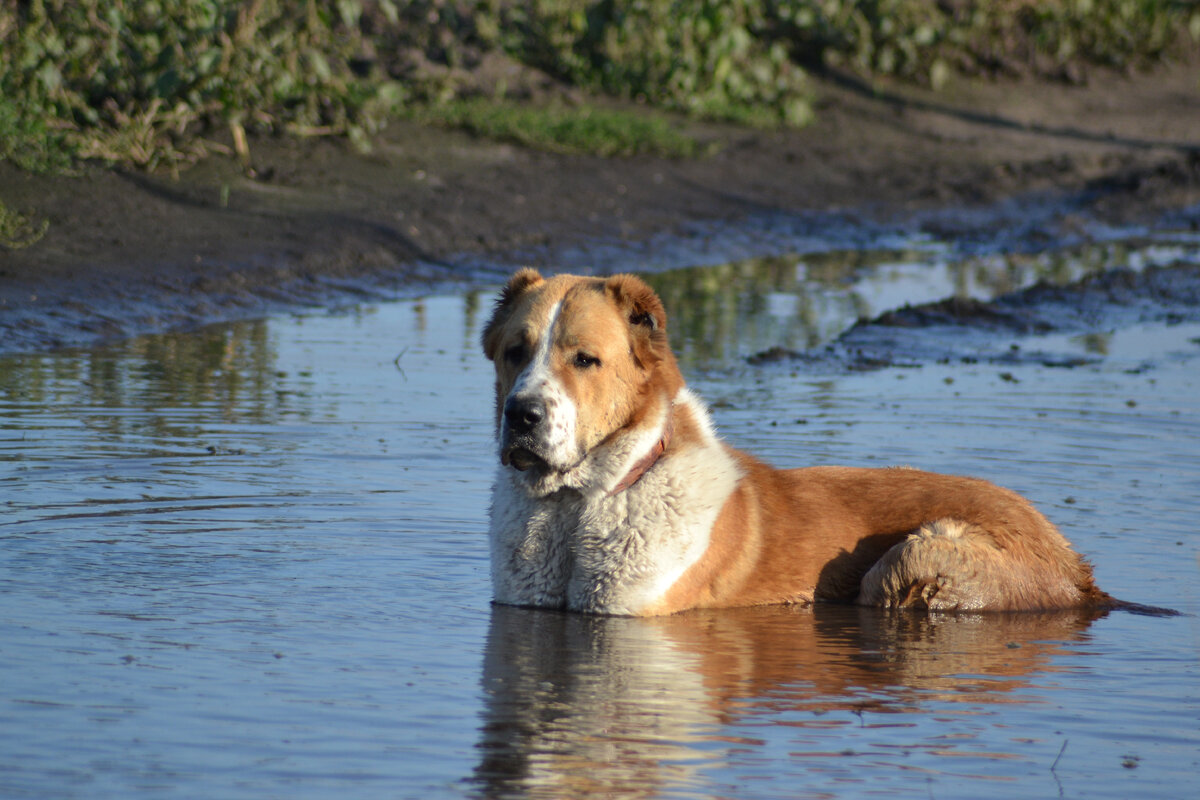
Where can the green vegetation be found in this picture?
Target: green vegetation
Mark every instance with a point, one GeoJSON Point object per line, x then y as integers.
{"type": "Point", "coordinates": [927, 41]}
{"type": "Point", "coordinates": [168, 81]}
{"type": "Point", "coordinates": [142, 82]}
{"type": "Point", "coordinates": [27, 141]}
{"type": "Point", "coordinates": [721, 59]}
{"type": "Point", "coordinates": [19, 230]}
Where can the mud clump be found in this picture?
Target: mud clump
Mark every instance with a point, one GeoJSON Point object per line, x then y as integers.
{"type": "Point", "coordinates": [961, 311]}
{"type": "Point", "coordinates": [1170, 294]}
{"type": "Point", "coordinates": [964, 329]}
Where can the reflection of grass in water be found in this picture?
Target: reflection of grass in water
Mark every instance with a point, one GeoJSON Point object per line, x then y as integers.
{"type": "Point", "coordinates": [799, 302]}
{"type": "Point", "coordinates": [230, 370]}
{"type": "Point", "coordinates": [713, 310]}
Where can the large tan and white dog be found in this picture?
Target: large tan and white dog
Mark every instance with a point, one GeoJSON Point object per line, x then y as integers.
{"type": "Point", "coordinates": [615, 495]}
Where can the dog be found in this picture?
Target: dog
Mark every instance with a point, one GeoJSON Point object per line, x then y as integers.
{"type": "Point", "coordinates": [615, 495]}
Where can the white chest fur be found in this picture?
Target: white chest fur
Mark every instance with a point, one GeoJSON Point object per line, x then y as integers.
{"type": "Point", "coordinates": [618, 554]}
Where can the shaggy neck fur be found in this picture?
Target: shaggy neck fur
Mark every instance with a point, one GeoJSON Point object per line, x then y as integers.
{"type": "Point", "coordinates": [590, 548]}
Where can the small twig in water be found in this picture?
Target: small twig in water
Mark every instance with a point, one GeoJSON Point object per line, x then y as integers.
{"type": "Point", "coordinates": [1061, 750]}
{"type": "Point", "coordinates": [396, 361]}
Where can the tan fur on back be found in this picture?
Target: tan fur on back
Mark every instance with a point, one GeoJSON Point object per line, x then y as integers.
{"type": "Point", "coordinates": [588, 392]}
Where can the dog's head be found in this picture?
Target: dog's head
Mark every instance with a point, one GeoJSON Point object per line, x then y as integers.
{"type": "Point", "coordinates": [580, 364]}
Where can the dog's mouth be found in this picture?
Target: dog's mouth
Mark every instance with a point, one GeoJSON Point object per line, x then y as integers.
{"type": "Point", "coordinates": [522, 459]}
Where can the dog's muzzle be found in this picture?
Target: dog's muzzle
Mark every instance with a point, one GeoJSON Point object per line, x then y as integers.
{"type": "Point", "coordinates": [523, 416]}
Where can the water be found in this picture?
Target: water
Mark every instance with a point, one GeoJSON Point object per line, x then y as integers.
{"type": "Point", "coordinates": [250, 561]}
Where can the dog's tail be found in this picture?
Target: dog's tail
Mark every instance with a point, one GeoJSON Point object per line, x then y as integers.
{"type": "Point", "coordinates": [1113, 604]}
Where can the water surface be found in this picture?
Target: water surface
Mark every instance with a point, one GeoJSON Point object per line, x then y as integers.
{"type": "Point", "coordinates": [250, 561]}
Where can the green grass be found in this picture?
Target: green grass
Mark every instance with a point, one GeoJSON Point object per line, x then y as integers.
{"type": "Point", "coordinates": [161, 84]}
{"type": "Point", "coordinates": [566, 129]}
{"type": "Point", "coordinates": [19, 230]}
{"type": "Point", "coordinates": [153, 84]}
{"type": "Point", "coordinates": [25, 140]}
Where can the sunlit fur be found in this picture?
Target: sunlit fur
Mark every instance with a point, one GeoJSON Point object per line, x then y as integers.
{"type": "Point", "coordinates": [706, 525]}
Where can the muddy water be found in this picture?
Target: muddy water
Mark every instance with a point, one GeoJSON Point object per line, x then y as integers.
{"type": "Point", "coordinates": [249, 562]}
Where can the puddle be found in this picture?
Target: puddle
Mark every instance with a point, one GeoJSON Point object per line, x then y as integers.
{"type": "Point", "coordinates": [249, 561]}
{"type": "Point", "coordinates": [773, 308]}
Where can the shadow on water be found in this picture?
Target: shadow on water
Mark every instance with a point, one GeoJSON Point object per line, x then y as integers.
{"type": "Point", "coordinates": [582, 706]}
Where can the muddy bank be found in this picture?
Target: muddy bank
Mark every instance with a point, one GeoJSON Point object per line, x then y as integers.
{"type": "Point", "coordinates": [318, 225]}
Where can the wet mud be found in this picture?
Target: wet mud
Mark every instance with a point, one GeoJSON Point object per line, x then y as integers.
{"type": "Point", "coordinates": [1032, 165]}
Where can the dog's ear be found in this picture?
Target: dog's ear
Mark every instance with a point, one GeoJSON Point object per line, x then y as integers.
{"type": "Point", "coordinates": [638, 301]}
{"type": "Point", "coordinates": [644, 311]}
{"type": "Point", "coordinates": [521, 282]}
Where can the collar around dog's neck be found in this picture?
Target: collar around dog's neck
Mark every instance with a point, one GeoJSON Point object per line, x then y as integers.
{"type": "Point", "coordinates": [643, 464]}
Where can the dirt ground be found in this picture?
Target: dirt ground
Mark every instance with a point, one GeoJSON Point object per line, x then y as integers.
{"type": "Point", "coordinates": [129, 252]}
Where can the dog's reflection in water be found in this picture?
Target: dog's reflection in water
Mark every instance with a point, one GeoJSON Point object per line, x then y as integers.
{"type": "Point", "coordinates": [579, 705]}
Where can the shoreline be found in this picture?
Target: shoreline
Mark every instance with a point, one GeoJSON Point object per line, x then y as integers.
{"type": "Point", "coordinates": [129, 253]}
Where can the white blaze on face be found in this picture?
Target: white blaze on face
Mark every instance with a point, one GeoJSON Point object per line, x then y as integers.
{"type": "Point", "coordinates": [554, 439]}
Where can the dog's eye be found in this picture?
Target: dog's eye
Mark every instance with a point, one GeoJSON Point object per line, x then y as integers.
{"type": "Point", "coordinates": [515, 354]}
{"type": "Point", "coordinates": [585, 361]}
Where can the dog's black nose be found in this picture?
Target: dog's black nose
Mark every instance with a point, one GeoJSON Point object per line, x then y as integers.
{"type": "Point", "coordinates": [524, 413]}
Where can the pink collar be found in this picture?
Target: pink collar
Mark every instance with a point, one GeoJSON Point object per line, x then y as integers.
{"type": "Point", "coordinates": [644, 463]}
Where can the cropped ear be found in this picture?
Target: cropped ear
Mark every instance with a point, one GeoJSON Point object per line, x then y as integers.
{"type": "Point", "coordinates": [521, 282]}
{"type": "Point", "coordinates": [645, 313]}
